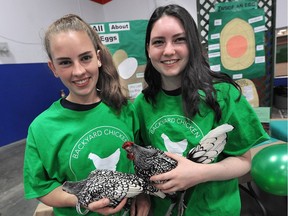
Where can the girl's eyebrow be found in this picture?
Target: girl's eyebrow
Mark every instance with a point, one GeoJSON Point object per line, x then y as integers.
{"type": "Point", "coordinates": [85, 53]}
{"type": "Point", "coordinates": [176, 35]}
{"type": "Point", "coordinates": [62, 58]}
{"type": "Point", "coordinates": [67, 58]}
{"type": "Point", "coordinates": [157, 37]}
{"type": "Point", "coordinates": [179, 34]}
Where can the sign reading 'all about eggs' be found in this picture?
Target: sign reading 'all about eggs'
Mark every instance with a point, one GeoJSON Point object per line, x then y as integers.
{"type": "Point", "coordinates": [126, 42]}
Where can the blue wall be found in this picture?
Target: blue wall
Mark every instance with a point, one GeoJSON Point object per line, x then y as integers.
{"type": "Point", "coordinates": [25, 91]}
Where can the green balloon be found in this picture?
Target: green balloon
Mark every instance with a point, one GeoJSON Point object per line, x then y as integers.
{"type": "Point", "coordinates": [269, 169]}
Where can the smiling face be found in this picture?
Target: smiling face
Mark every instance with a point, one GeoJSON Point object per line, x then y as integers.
{"type": "Point", "coordinates": [76, 62]}
{"type": "Point", "coordinates": [168, 50]}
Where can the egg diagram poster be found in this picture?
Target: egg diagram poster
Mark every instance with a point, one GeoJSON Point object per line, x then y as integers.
{"type": "Point", "coordinates": [126, 42]}
{"type": "Point", "coordinates": [236, 44]}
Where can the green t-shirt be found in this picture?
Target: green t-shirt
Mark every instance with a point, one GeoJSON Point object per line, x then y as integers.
{"type": "Point", "coordinates": [66, 145]}
{"type": "Point", "coordinates": [165, 127]}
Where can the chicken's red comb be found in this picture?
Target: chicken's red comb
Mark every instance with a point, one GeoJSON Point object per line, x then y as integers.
{"type": "Point", "coordinates": [127, 144]}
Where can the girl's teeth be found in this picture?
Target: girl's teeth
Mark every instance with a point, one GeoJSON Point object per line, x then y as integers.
{"type": "Point", "coordinates": [81, 81]}
{"type": "Point", "coordinates": [169, 62]}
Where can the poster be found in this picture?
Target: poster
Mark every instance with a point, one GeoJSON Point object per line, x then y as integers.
{"type": "Point", "coordinates": [236, 44]}
{"type": "Point", "coordinates": [126, 42]}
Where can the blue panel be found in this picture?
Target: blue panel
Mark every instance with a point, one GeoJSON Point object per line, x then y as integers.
{"type": "Point", "coordinates": [280, 81]}
{"type": "Point", "coordinates": [25, 91]}
{"type": "Point", "coordinates": [279, 129]}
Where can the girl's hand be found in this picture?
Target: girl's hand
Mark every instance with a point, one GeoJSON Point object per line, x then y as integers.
{"type": "Point", "coordinates": [184, 176]}
{"type": "Point", "coordinates": [188, 173]}
{"type": "Point", "coordinates": [100, 206]}
{"type": "Point", "coordinates": [140, 205]}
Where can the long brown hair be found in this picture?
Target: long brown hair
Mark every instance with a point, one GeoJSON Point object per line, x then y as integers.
{"type": "Point", "coordinates": [108, 81]}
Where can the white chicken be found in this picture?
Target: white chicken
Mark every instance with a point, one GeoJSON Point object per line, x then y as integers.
{"type": "Point", "coordinates": [174, 147]}
{"type": "Point", "coordinates": [108, 163]}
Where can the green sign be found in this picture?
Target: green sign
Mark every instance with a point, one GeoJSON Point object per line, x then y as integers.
{"type": "Point", "coordinates": [236, 43]}
{"type": "Point", "coordinates": [235, 6]}
{"type": "Point", "coordinates": [126, 42]}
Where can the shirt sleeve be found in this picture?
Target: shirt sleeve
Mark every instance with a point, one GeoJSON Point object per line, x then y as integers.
{"type": "Point", "coordinates": [248, 130]}
{"type": "Point", "coordinates": [36, 181]}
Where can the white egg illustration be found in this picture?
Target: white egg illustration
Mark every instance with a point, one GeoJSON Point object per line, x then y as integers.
{"type": "Point", "coordinates": [127, 67]}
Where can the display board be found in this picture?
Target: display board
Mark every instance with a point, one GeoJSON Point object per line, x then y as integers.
{"type": "Point", "coordinates": [263, 83]}
{"type": "Point", "coordinates": [236, 39]}
{"type": "Point", "coordinates": [126, 42]}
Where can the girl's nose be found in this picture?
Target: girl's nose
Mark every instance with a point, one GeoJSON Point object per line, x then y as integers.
{"type": "Point", "coordinates": [169, 49]}
{"type": "Point", "coordinates": [78, 69]}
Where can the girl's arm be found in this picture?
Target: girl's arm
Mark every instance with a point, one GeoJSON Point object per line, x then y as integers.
{"type": "Point", "coordinates": [60, 198]}
{"type": "Point", "coordinates": [180, 179]}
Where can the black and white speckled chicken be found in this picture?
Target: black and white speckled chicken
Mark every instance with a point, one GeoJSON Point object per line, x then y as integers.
{"type": "Point", "coordinates": [105, 184]}
{"type": "Point", "coordinates": [149, 161]}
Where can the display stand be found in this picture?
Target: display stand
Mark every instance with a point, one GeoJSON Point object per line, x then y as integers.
{"type": "Point", "coordinates": [264, 85]}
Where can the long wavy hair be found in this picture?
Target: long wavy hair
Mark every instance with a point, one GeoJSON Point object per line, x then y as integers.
{"type": "Point", "coordinates": [197, 74]}
{"type": "Point", "coordinates": [108, 81]}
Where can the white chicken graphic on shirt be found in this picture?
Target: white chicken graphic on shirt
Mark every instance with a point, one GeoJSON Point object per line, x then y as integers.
{"type": "Point", "coordinates": [174, 147]}
{"type": "Point", "coordinates": [108, 163]}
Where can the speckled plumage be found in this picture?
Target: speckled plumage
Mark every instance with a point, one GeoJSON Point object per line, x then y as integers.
{"type": "Point", "coordinates": [105, 184]}
{"type": "Point", "coordinates": [151, 161]}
